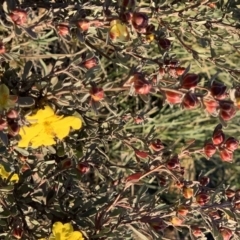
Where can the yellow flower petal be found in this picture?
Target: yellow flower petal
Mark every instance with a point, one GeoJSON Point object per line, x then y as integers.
{"type": "Point", "coordinates": [118, 31]}
{"type": "Point", "coordinates": [4, 174]}
{"type": "Point", "coordinates": [61, 128]}
{"type": "Point", "coordinates": [41, 114]}
{"type": "Point", "coordinates": [57, 228]}
{"type": "Point", "coordinates": [43, 139]}
{"type": "Point", "coordinates": [76, 235]}
{"type": "Point", "coordinates": [67, 229]}
{"type": "Point", "coordinates": [28, 133]}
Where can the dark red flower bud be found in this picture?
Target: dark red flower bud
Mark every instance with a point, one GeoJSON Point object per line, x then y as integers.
{"type": "Point", "coordinates": [227, 110]}
{"type": "Point", "coordinates": [90, 63]}
{"type": "Point", "coordinates": [231, 144]}
{"type": "Point", "coordinates": [134, 177]}
{"type": "Point", "coordinates": [202, 198]}
{"type": "Point", "coordinates": [173, 97]}
{"type": "Point", "coordinates": [196, 231]}
{"type": "Point", "coordinates": [173, 163]}
{"type": "Point", "coordinates": [164, 43]}
{"type": "Point", "coordinates": [83, 24]}
{"type": "Point", "coordinates": [226, 155]}
{"type": "Point", "coordinates": [97, 94]}
{"type": "Point", "coordinates": [211, 106]}
{"type": "Point", "coordinates": [142, 86]}
{"type": "Point", "coordinates": [204, 181]}
{"type": "Point", "coordinates": [66, 163]}
{"type": "Point", "coordinates": [218, 90]}
{"type": "Point", "coordinates": [63, 29]}
{"type": "Point", "coordinates": [230, 193]}
{"type": "Point", "coordinates": [83, 167]}
{"type": "Point", "coordinates": [226, 233]}
{"type": "Point", "coordinates": [17, 232]}
{"type": "Point", "coordinates": [12, 114]}
{"type": "Point", "coordinates": [182, 210]}
{"type": "Point", "coordinates": [141, 154]}
{"type": "Point", "coordinates": [190, 101]}
{"type": "Point", "coordinates": [13, 129]}
{"type": "Point", "coordinates": [218, 137]}
{"type": "Point", "coordinates": [190, 80]}
{"type": "Point", "coordinates": [2, 48]}
{"type": "Point", "coordinates": [156, 145]}
{"type": "Point", "coordinates": [18, 16]}
{"type": "Point", "coordinates": [180, 71]}
{"type": "Point", "coordinates": [209, 149]}
{"type": "Point", "coordinates": [140, 21]}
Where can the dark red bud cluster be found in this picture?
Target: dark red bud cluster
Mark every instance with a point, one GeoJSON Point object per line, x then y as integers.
{"type": "Point", "coordinates": [225, 147]}
{"type": "Point", "coordinates": [140, 22]}
{"type": "Point", "coordinates": [156, 145]}
{"type": "Point", "coordinates": [190, 101]}
{"type": "Point", "coordinates": [18, 16]}
{"type": "Point", "coordinates": [218, 90]}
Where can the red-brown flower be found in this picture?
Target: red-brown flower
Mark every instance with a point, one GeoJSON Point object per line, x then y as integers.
{"type": "Point", "coordinates": [226, 233]}
{"type": "Point", "coordinates": [227, 110]}
{"type": "Point", "coordinates": [218, 90]}
{"type": "Point", "coordinates": [140, 21]}
{"type": "Point", "coordinates": [190, 80]}
{"type": "Point", "coordinates": [63, 29]}
{"type": "Point", "coordinates": [83, 167]}
{"type": "Point", "coordinates": [173, 97]}
{"type": "Point", "coordinates": [202, 198]}
{"type": "Point", "coordinates": [2, 48]}
{"type": "Point", "coordinates": [156, 145]}
{"type": "Point", "coordinates": [83, 24]}
{"type": "Point", "coordinates": [204, 181]}
{"type": "Point", "coordinates": [190, 101]}
{"type": "Point", "coordinates": [226, 155]}
{"type": "Point", "coordinates": [18, 16]}
{"type": "Point", "coordinates": [231, 144]}
{"type": "Point", "coordinates": [141, 85]}
{"type": "Point", "coordinates": [164, 43]}
{"type": "Point", "coordinates": [90, 63]}
{"type": "Point", "coordinates": [211, 106]}
{"type": "Point", "coordinates": [209, 149]}
{"type": "Point", "coordinates": [97, 94]}
{"type": "Point", "coordinates": [141, 154]}
{"type": "Point", "coordinates": [218, 137]}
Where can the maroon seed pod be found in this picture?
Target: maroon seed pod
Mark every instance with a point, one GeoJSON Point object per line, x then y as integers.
{"type": "Point", "coordinates": [190, 80]}
{"type": "Point", "coordinates": [164, 43]}
{"type": "Point", "coordinates": [230, 193]}
{"type": "Point", "coordinates": [232, 144]}
{"type": "Point", "coordinates": [97, 94]}
{"type": "Point", "coordinates": [218, 137]}
{"type": "Point", "coordinates": [211, 106]}
{"type": "Point", "coordinates": [156, 145]}
{"type": "Point", "coordinates": [173, 97]}
{"type": "Point", "coordinates": [63, 30]}
{"type": "Point", "coordinates": [204, 181]}
{"type": "Point", "coordinates": [140, 21]}
{"type": "Point", "coordinates": [226, 233]}
{"type": "Point", "coordinates": [90, 63]}
{"type": "Point", "coordinates": [202, 198]}
{"type": "Point", "coordinates": [142, 86]}
{"type": "Point", "coordinates": [134, 177]}
{"type": "Point", "coordinates": [209, 149]}
{"type": "Point", "coordinates": [190, 101]}
{"type": "Point", "coordinates": [173, 163]}
{"type": "Point", "coordinates": [83, 167]}
{"type": "Point", "coordinates": [141, 154]}
{"type": "Point", "coordinates": [218, 90]}
{"type": "Point", "coordinates": [18, 16]}
{"type": "Point", "coordinates": [226, 155]}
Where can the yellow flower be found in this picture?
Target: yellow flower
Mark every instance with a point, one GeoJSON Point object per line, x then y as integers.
{"type": "Point", "coordinates": [45, 127]}
{"type": "Point", "coordinates": [118, 31]}
{"type": "Point", "coordinates": [4, 174]}
{"type": "Point", "coordinates": [6, 100]}
{"type": "Point", "coordinates": [65, 232]}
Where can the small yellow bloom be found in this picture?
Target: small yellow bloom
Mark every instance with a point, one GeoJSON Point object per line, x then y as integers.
{"type": "Point", "coordinates": [150, 37]}
{"type": "Point", "coordinates": [118, 31]}
{"type": "Point", "coordinates": [45, 127]}
{"type": "Point", "coordinates": [4, 174]}
{"type": "Point", "coordinates": [6, 100]}
{"type": "Point", "coordinates": [65, 232]}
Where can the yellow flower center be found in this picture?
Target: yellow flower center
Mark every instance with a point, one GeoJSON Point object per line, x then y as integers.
{"type": "Point", "coordinates": [48, 128]}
